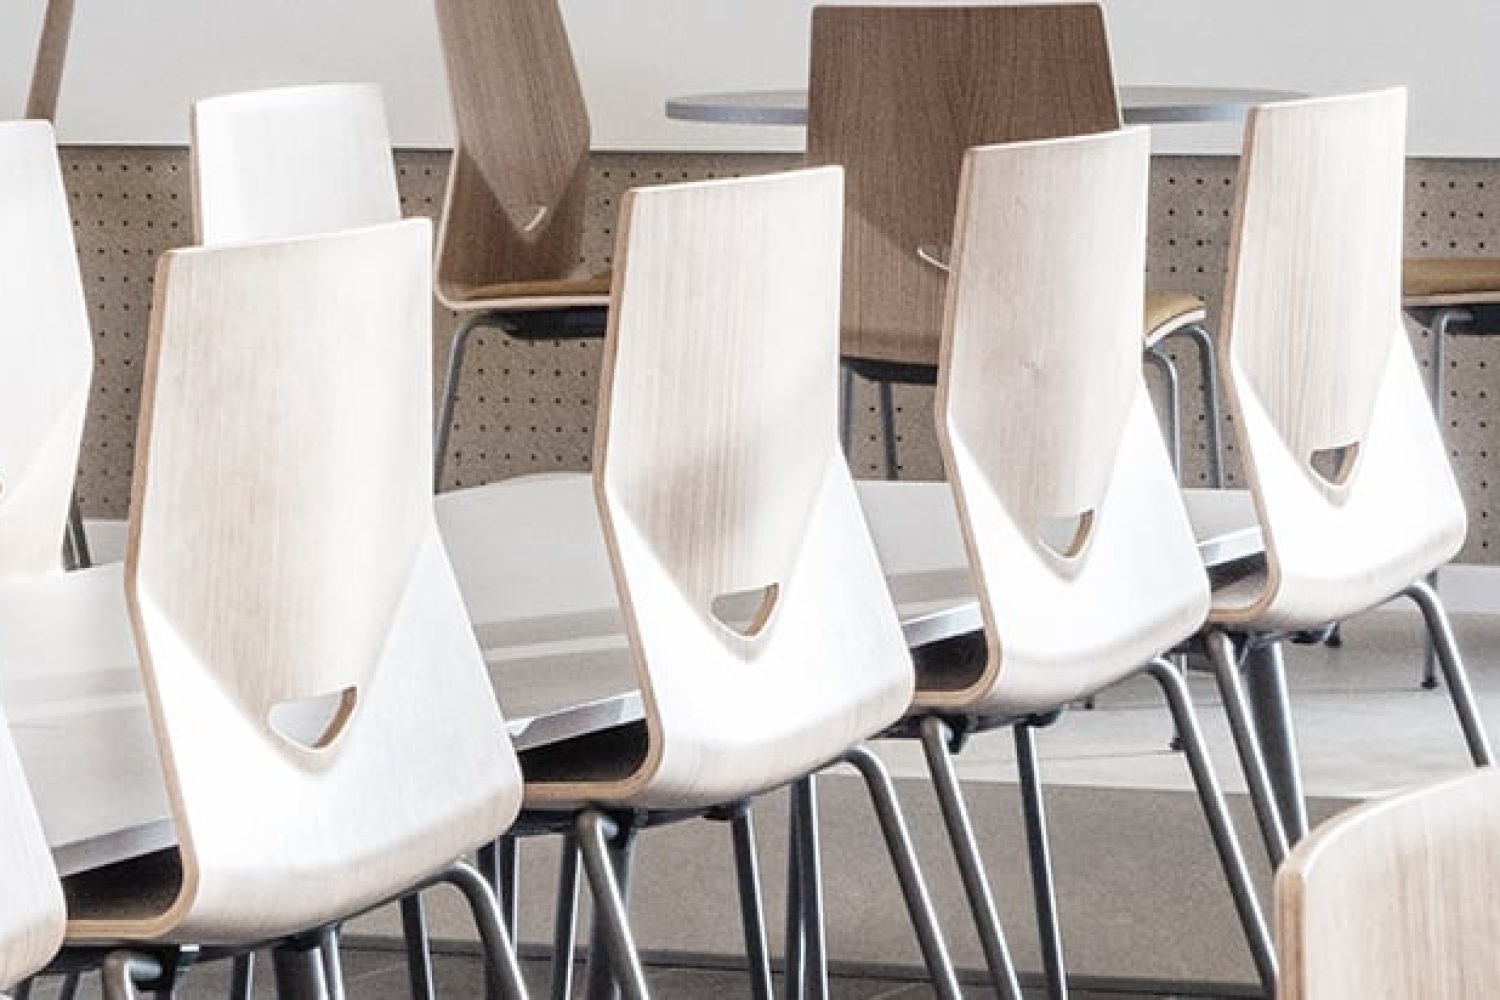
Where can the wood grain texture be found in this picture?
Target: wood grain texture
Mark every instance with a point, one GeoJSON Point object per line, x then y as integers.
{"type": "Point", "coordinates": [283, 546]}
{"type": "Point", "coordinates": [718, 472]}
{"type": "Point", "coordinates": [295, 161]}
{"type": "Point", "coordinates": [1449, 281]}
{"type": "Point", "coordinates": [514, 209]}
{"type": "Point", "coordinates": [896, 95]}
{"type": "Point", "coordinates": [51, 57]}
{"type": "Point", "coordinates": [1083, 557]}
{"type": "Point", "coordinates": [46, 352]}
{"type": "Point", "coordinates": [1318, 361]}
{"type": "Point", "coordinates": [1395, 899]}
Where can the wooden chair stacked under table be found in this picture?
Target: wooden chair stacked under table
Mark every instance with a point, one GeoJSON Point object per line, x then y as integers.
{"type": "Point", "coordinates": [326, 727]}
{"type": "Point", "coordinates": [508, 245]}
{"type": "Point", "coordinates": [895, 96]}
{"type": "Point", "coordinates": [1346, 466]}
{"type": "Point", "coordinates": [1395, 899]}
{"type": "Point", "coordinates": [1081, 552]}
{"type": "Point", "coordinates": [763, 638]}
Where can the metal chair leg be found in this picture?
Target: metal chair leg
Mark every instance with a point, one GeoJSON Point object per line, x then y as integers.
{"type": "Point", "coordinates": [1171, 430]}
{"type": "Point", "coordinates": [333, 966]}
{"type": "Point", "coordinates": [904, 860]}
{"type": "Point", "coordinates": [810, 890]}
{"type": "Point", "coordinates": [936, 737]}
{"type": "Point", "coordinates": [1265, 682]}
{"type": "Point", "coordinates": [449, 402]}
{"type": "Point", "coordinates": [602, 841]}
{"type": "Point", "coordinates": [122, 969]}
{"type": "Point", "coordinates": [1225, 659]}
{"type": "Point", "coordinates": [752, 910]}
{"type": "Point", "coordinates": [298, 964]}
{"type": "Point", "coordinates": [1440, 633]}
{"type": "Point", "coordinates": [22, 990]}
{"type": "Point", "coordinates": [888, 427]}
{"type": "Point", "coordinates": [1442, 321]}
{"type": "Point", "coordinates": [1212, 417]}
{"type": "Point", "coordinates": [69, 988]}
{"type": "Point", "coordinates": [79, 537]}
{"type": "Point", "coordinates": [418, 956]}
{"type": "Point", "coordinates": [504, 970]}
{"type": "Point", "coordinates": [795, 956]}
{"type": "Point", "coordinates": [1049, 930]}
{"type": "Point", "coordinates": [846, 410]}
{"type": "Point", "coordinates": [242, 977]}
{"type": "Point", "coordinates": [565, 920]}
{"type": "Point", "coordinates": [1220, 826]}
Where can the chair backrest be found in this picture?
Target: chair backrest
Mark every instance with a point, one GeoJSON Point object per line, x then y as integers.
{"type": "Point", "coordinates": [1352, 482]}
{"type": "Point", "coordinates": [327, 727]}
{"type": "Point", "coordinates": [896, 94]}
{"type": "Point", "coordinates": [1395, 899]}
{"type": "Point", "coordinates": [514, 208]}
{"type": "Point", "coordinates": [270, 164]}
{"type": "Point", "coordinates": [1083, 557]}
{"type": "Point", "coordinates": [46, 352]}
{"type": "Point", "coordinates": [765, 638]}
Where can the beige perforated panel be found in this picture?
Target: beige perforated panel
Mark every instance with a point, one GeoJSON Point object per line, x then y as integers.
{"type": "Point", "coordinates": [529, 407]}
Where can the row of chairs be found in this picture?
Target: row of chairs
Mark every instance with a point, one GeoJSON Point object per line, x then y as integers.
{"type": "Point", "coordinates": [231, 414]}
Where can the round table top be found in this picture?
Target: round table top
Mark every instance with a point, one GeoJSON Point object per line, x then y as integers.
{"type": "Point", "coordinates": [1140, 105]}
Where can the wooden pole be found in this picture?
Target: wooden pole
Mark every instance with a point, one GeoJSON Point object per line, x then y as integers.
{"type": "Point", "coordinates": [51, 53]}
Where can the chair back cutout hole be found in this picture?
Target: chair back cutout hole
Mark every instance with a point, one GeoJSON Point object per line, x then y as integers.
{"type": "Point", "coordinates": [1334, 465]}
{"type": "Point", "coordinates": [314, 722]}
{"type": "Point", "coordinates": [1066, 536]}
{"type": "Point", "coordinates": [746, 612]}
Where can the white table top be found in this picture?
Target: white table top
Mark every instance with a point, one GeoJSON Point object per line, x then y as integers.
{"type": "Point", "coordinates": [1139, 105]}
{"type": "Point", "coordinates": [72, 691]}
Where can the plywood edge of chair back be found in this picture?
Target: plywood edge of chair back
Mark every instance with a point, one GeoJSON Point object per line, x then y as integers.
{"type": "Point", "coordinates": [291, 161]}
{"type": "Point", "coordinates": [721, 485]}
{"type": "Point", "coordinates": [1063, 486]}
{"type": "Point", "coordinates": [46, 351]}
{"type": "Point", "coordinates": [334, 667]}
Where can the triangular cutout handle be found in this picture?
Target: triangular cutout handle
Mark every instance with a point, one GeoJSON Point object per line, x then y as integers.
{"type": "Point", "coordinates": [315, 722]}
{"type": "Point", "coordinates": [1334, 465]}
{"type": "Point", "coordinates": [746, 612]}
{"type": "Point", "coordinates": [1067, 536]}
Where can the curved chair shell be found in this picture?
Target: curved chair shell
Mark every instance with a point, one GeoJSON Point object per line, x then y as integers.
{"type": "Point", "coordinates": [1083, 556]}
{"type": "Point", "coordinates": [1354, 492]}
{"type": "Point", "coordinates": [46, 352]}
{"type": "Point", "coordinates": [719, 475]}
{"type": "Point", "coordinates": [327, 727]}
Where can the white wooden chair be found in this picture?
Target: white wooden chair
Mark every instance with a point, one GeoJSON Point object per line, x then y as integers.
{"type": "Point", "coordinates": [45, 361]}
{"type": "Point", "coordinates": [895, 96]}
{"type": "Point", "coordinates": [326, 726]}
{"type": "Point", "coordinates": [1349, 477]}
{"type": "Point", "coordinates": [1395, 899]}
{"type": "Point", "coordinates": [764, 641]}
{"type": "Point", "coordinates": [1082, 555]}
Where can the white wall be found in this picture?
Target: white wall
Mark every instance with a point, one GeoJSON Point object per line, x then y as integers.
{"type": "Point", "coordinates": [135, 64]}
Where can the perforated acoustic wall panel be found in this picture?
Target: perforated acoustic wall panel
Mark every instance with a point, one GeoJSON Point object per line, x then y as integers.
{"type": "Point", "coordinates": [529, 407]}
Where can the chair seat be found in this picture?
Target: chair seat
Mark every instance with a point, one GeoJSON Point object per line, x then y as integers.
{"type": "Point", "coordinates": [1449, 281]}
{"type": "Point", "coordinates": [531, 295]}
{"type": "Point", "coordinates": [1168, 312]}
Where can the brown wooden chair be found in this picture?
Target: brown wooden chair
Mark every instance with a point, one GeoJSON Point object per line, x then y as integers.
{"type": "Point", "coordinates": [1349, 477]}
{"type": "Point", "coordinates": [326, 725]}
{"type": "Point", "coordinates": [508, 244]}
{"type": "Point", "coordinates": [1080, 549]}
{"type": "Point", "coordinates": [896, 94]}
{"type": "Point", "coordinates": [1395, 899]}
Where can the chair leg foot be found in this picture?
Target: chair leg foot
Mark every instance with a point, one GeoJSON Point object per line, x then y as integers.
{"type": "Point", "coordinates": [1220, 826]}
{"type": "Point", "coordinates": [599, 837]}
{"type": "Point", "coordinates": [1445, 647]}
{"type": "Point", "coordinates": [904, 859]}
{"type": "Point", "coordinates": [936, 737]}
